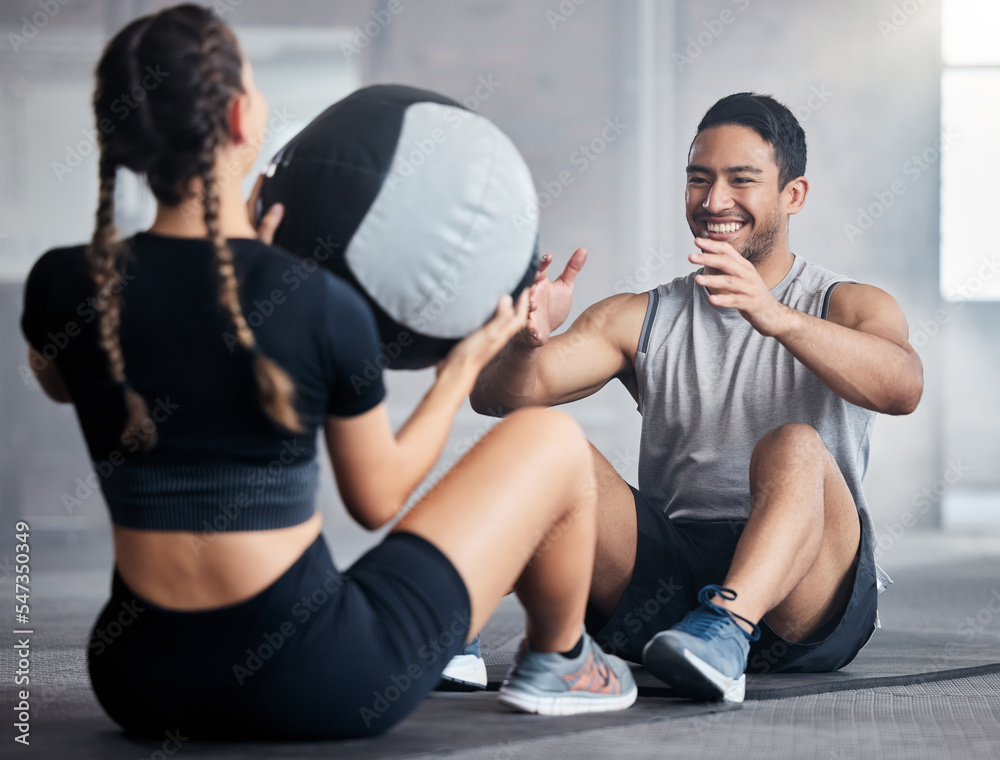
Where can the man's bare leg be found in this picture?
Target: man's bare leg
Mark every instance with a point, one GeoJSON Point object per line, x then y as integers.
{"type": "Point", "coordinates": [793, 564]}
{"type": "Point", "coordinates": [617, 537]}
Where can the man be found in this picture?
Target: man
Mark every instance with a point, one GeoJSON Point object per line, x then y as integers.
{"type": "Point", "coordinates": [749, 541]}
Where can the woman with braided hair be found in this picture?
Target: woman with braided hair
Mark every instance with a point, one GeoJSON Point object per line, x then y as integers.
{"type": "Point", "coordinates": [227, 616]}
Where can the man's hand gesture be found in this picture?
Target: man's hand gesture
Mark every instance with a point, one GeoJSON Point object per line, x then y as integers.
{"type": "Point", "coordinates": [551, 299]}
{"type": "Point", "coordinates": [738, 285]}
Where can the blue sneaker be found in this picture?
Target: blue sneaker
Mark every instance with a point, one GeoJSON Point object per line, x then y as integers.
{"type": "Point", "coordinates": [549, 684]}
{"type": "Point", "coordinates": [704, 655]}
{"type": "Point", "coordinates": [465, 671]}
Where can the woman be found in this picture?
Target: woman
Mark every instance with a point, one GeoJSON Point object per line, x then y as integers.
{"type": "Point", "coordinates": [227, 616]}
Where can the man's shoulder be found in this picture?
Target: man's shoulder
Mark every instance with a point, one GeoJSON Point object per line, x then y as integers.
{"type": "Point", "coordinates": [617, 312]}
{"type": "Point", "coordinates": [816, 276]}
{"type": "Point", "coordinates": [681, 286]}
{"type": "Point", "coordinates": [809, 287]}
{"type": "Point", "coordinates": [674, 295]}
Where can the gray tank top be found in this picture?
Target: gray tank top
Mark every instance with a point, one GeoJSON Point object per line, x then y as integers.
{"type": "Point", "coordinates": [710, 387]}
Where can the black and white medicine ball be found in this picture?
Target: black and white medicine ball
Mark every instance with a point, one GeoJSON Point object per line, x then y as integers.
{"type": "Point", "coordinates": [416, 201]}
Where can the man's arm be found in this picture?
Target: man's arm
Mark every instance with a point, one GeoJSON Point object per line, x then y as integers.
{"type": "Point", "coordinates": [598, 347]}
{"type": "Point", "coordinates": [536, 370]}
{"type": "Point", "coordinates": [861, 351]}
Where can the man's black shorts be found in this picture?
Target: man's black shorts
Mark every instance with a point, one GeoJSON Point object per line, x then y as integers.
{"type": "Point", "coordinates": [675, 559]}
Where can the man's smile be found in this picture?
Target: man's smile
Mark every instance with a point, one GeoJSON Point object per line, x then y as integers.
{"type": "Point", "coordinates": [720, 228]}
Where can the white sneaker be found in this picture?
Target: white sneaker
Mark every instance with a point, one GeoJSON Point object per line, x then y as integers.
{"type": "Point", "coordinates": [466, 671]}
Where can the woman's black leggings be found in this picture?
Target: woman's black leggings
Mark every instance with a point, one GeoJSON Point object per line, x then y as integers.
{"type": "Point", "coordinates": [316, 655]}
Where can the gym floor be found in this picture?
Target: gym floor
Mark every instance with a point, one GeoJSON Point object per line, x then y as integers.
{"type": "Point", "coordinates": [927, 686]}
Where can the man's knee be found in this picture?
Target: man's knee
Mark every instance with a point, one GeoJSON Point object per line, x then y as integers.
{"type": "Point", "coordinates": [790, 451]}
{"type": "Point", "coordinates": [794, 439]}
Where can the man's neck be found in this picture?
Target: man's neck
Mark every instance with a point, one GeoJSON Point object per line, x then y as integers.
{"type": "Point", "coordinates": [773, 269]}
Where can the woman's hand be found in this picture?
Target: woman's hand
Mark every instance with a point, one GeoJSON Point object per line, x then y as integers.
{"type": "Point", "coordinates": [473, 352]}
{"type": "Point", "coordinates": [376, 470]}
{"type": "Point", "coordinates": [268, 222]}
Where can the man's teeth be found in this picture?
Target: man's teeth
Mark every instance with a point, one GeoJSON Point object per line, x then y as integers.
{"type": "Point", "coordinates": [731, 227]}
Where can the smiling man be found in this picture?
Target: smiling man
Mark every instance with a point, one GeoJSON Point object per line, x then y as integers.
{"type": "Point", "coordinates": [748, 543]}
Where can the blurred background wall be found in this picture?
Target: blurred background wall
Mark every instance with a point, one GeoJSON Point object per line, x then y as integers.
{"type": "Point", "coordinates": [603, 99]}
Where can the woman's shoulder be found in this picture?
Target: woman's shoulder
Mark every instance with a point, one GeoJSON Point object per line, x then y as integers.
{"type": "Point", "coordinates": [62, 260]}
{"type": "Point", "coordinates": [306, 276]}
{"type": "Point", "coordinates": [58, 293]}
{"type": "Point", "coordinates": [57, 273]}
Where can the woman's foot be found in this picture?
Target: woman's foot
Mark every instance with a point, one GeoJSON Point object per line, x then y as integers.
{"type": "Point", "coordinates": [549, 683]}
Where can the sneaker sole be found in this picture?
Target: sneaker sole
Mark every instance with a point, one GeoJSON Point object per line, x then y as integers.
{"type": "Point", "coordinates": [690, 675]}
{"type": "Point", "coordinates": [465, 670]}
{"type": "Point", "coordinates": [570, 703]}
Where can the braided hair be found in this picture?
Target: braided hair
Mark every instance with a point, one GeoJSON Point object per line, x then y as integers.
{"type": "Point", "coordinates": [171, 136]}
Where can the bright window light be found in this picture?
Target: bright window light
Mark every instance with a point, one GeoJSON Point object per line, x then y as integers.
{"type": "Point", "coordinates": [969, 30]}
{"type": "Point", "coordinates": [970, 124]}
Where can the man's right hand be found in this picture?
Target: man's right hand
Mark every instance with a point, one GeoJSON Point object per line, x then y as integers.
{"type": "Point", "coordinates": [551, 299]}
{"type": "Point", "coordinates": [599, 346]}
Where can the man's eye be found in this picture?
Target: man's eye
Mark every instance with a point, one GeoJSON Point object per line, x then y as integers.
{"type": "Point", "coordinates": [742, 180]}
{"type": "Point", "coordinates": [696, 180]}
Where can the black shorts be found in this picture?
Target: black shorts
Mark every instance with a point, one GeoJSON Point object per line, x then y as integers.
{"type": "Point", "coordinates": [316, 655]}
{"type": "Point", "coordinates": [676, 559]}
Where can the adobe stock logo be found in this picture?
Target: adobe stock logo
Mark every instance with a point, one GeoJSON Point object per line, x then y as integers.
{"type": "Point", "coordinates": [901, 14]}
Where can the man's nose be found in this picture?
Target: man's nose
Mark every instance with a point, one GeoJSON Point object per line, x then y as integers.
{"type": "Point", "coordinates": [718, 198]}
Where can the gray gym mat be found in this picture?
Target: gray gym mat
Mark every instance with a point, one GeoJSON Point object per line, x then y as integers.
{"type": "Point", "coordinates": [891, 658]}
{"type": "Point", "coordinates": [955, 719]}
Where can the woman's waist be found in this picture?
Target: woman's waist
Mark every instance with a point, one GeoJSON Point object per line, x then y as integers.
{"type": "Point", "coordinates": [197, 570]}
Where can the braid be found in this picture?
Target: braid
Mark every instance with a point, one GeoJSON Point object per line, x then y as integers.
{"type": "Point", "coordinates": [276, 389]}
{"type": "Point", "coordinates": [103, 254]}
{"type": "Point", "coordinates": [173, 139]}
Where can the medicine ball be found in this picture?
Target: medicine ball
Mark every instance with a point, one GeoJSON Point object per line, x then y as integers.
{"type": "Point", "coordinates": [417, 202]}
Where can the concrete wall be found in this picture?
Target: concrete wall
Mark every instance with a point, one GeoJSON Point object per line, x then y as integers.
{"type": "Point", "coordinates": [555, 75]}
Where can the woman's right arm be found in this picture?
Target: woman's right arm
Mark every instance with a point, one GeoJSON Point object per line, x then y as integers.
{"type": "Point", "coordinates": [48, 377]}
{"type": "Point", "coordinates": [376, 469]}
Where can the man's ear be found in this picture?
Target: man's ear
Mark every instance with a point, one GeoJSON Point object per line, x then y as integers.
{"type": "Point", "coordinates": [795, 195]}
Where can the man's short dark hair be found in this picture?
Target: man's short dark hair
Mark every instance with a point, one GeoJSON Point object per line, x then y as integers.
{"type": "Point", "coordinates": [769, 119]}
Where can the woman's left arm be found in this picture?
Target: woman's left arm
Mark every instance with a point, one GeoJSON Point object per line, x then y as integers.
{"type": "Point", "coordinates": [377, 470]}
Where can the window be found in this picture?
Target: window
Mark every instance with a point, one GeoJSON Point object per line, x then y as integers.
{"type": "Point", "coordinates": [970, 156]}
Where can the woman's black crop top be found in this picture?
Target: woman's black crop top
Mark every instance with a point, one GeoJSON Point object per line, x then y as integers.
{"type": "Point", "coordinates": [219, 463]}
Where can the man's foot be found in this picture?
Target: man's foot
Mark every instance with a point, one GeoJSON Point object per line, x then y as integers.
{"type": "Point", "coordinates": [704, 655]}
{"type": "Point", "coordinates": [466, 671]}
{"type": "Point", "coordinates": [548, 683]}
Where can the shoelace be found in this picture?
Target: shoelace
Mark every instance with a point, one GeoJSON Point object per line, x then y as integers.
{"type": "Point", "coordinates": [706, 626]}
{"type": "Point", "coordinates": [601, 663]}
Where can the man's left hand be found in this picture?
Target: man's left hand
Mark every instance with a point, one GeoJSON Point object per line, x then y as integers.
{"type": "Point", "coordinates": [737, 285]}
